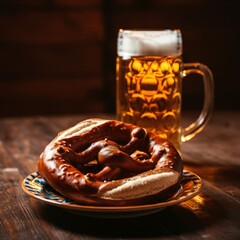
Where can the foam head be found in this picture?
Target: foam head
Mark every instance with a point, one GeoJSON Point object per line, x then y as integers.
{"type": "Point", "coordinates": [149, 43]}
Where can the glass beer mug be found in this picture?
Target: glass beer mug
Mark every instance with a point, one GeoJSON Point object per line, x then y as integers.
{"type": "Point", "coordinates": [149, 73]}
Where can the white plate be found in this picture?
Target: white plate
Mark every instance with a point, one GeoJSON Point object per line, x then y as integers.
{"type": "Point", "coordinates": [35, 186]}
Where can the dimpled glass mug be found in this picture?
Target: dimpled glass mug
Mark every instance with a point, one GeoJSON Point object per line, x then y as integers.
{"type": "Point", "coordinates": [149, 73]}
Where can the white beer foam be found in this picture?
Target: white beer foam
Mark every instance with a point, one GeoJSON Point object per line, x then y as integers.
{"type": "Point", "coordinates": [150, 43]}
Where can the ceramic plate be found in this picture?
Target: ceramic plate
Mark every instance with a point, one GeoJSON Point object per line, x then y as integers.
{"type": "Point", "coordinates": [35, 186]}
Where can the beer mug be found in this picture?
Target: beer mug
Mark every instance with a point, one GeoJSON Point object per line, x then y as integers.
{"type": "Point", "coordinates": [149, 74]}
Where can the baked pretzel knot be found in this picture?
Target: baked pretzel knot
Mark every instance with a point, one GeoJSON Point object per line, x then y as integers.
{"type": "Point", "coordinates": [107, 162]}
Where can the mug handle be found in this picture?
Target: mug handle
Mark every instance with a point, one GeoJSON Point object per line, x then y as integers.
{"type": "Point", "coordinates": [197, 126]}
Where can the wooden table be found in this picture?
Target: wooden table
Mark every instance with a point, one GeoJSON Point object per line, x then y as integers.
{"type": "Point", "coordinates": [214, 214]}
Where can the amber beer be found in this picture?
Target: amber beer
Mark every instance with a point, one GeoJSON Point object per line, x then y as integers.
{"type": "Point", "coordinates": [149, 72]}
{"type": "Point", "coordinates": [149, 94]}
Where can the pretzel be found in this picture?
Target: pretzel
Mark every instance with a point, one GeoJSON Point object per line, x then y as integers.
{"type": "Point", "coordinates": [108, 162]}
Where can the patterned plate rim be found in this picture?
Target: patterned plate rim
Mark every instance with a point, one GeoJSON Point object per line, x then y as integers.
{"type": "Point", "coordinates": [35, 186]}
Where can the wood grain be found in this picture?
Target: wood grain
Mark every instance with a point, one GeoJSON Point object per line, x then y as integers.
{"type": "Point", "coordinates": [60, 41]}
{"type": "Point", "coordinates": [213, 214]}
{"type": "Point", "coordinates": [51, 57]}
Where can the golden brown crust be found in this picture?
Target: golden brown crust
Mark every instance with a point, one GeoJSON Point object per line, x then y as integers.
{"type": "Point", "coordinates": [94, 162]}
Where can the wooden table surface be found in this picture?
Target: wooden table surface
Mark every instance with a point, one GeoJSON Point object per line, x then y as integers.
{"type": "Point", "coordinates": [214, 155]}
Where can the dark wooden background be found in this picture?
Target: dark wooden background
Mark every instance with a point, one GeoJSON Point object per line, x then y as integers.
{"type": "Point", "coordinates": [58, 56]}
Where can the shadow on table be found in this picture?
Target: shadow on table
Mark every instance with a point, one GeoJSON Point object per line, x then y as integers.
{"type": "Point", "coordinates": [172, 221]}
